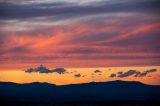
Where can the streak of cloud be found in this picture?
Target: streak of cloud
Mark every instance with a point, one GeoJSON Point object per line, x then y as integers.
{"type": "Point", "coordinates": [133, 73]}
{"type": "Point", "coordinates": [73, 33]}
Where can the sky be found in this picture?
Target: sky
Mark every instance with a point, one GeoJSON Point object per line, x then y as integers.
{"type": "Point", "coordinates": [79, 33]}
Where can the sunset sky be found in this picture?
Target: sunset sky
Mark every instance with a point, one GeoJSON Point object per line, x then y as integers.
{"type": "Point", "coordinates": [79, 33]}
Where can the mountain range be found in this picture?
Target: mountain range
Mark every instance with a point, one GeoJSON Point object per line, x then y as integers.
{"type": "Point", "coordinates": [113, 92]}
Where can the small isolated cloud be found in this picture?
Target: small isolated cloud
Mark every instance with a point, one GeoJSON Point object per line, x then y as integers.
{"type": "Point", "coordinates": [43, 69]}
{"type": "Point", "coordinates": [59, 70]}
{"type": "Point", "coordinates": [113, 75]}
{"type": "Point", "coordinates": [77, 75]}
{"type": "Point", "coordinates": [97, 71]}
{"type": "Point", "coordinates": [134, 73]}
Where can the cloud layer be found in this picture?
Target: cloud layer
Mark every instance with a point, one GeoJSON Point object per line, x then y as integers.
{"type": "Point", "coordinates": [73, 33]}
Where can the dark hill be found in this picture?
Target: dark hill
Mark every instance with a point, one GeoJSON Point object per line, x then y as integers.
{"type": "Point", "coordinates": [94, 92]}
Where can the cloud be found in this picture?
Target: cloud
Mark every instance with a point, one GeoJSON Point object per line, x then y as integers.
{"type": "Point", "coordinates": [134, 73]}
{"type": "Point", "coordinates": [61, 10]}
{"type": "Point", "coordinates": [151, 70]}
{"type": "Point", "coordinates": [43, 69]}
{"type": "Point", "coordinates": [29, 70]}
{"type": "Point", "coordinates": [59, 70]}
{"type": "Point", "coordinates": [120, 72]}
{"type": "Point", "coordinates": [77, 75]}
{"type": "Point", "coordinates": [145, 73]}
{"type": "Point", "coordinates": [127, 74]}
{"type": "Point", "coordinates": [113, 75]}
{"type": "Point", "coordinates": [40, 69]}
{"type": "Point", "coordinates": [79, 34]}
{"type": "Point", "coordinates": [97, 71]}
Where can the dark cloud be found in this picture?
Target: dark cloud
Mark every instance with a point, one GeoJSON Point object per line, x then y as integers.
{"type": "Point", "coordinates": [151, 70]}
{"type": "Point", "coordinates": [97, 71]}
{"type": "Point", "coordinates": [145, 72]}
{"type": "Point", "coordinates": [113, 75]}
{"type": "Point", "coordinates": [120, 72]}
{"type": "Point", "coordinates": [29, 70]}
{"type": "Point", "coordinates": [43, 69]}
{"type": "Point", "coordinates": [59, 70]}
{"type": "Point", "coordinates": [60, 10]}
{"type": "Point", "coordinates": [134, 73]}
{"type": "Point", "coordinates": [40, 69]}
{"type": "Point", "coordinates": [77, 75]}
{"type": "Point", "coordinates": [128, 73]}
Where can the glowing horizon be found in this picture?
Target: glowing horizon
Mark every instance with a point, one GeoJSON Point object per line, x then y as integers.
{"type": "Point", "coordinates": [86, 75]}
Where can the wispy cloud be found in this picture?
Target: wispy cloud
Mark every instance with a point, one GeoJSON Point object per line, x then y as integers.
{"type": "Point", "coordinates": [82, 33]}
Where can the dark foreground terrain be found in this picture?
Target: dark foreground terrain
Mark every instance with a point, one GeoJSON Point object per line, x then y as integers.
{"type": "Point", "coordinates": [117, 93]}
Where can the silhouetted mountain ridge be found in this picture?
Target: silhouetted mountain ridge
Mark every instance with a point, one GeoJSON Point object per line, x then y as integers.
{"type": "Point", "coordinates": [93, 91]}
{"type": "Point", "coordinates": [115, 82]}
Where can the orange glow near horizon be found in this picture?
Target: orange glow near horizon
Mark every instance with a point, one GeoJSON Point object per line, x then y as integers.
{"type": "Point", "coordinates": [87, 75]}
